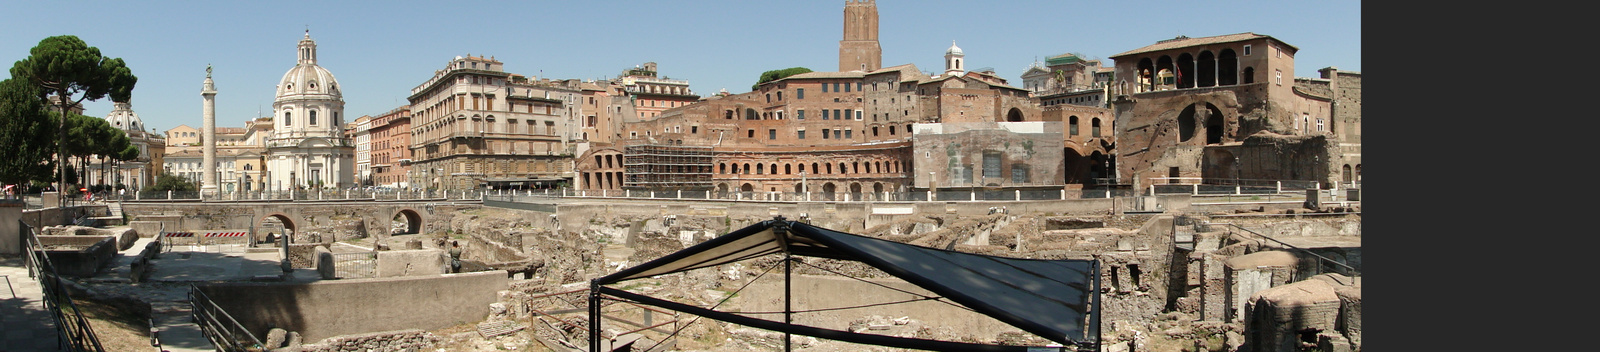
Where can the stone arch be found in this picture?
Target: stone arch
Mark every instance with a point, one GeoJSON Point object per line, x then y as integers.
{"type": "Point", "coordinates": [287, 221]}
{"type": "Point", "coordinates": [1015, 115]}
{"type": "Point", "coordinates": [1220, 164]}
{"type": "Point", "coordinates": [1227, 68]}
{"type": "Point", "coordinates": [1185, 70]}
{"type": "Point", "coordinates": [747, 188]}
{"type": "Point", "coordinates": [1215, 126]}
{"type": "Point", "coordinates": [1207, 65]}
{"type": "Point", "coordinates": [722, 188]}
{"type": "Point", "coordinates": [1146, 75]}
{"type": "Point", "coordinates": [1186, 123]}
{"type": "Point", "coordinates": [412, 218]}
{"type": "Point", "coordinates": [877, 187]}
{"type": "Point", "coordinates": [828, 190]}
{"type": "Point", "coordinates": [1249, 75]}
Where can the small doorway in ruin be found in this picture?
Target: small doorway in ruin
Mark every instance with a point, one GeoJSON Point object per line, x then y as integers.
{"type": "Point", "coordinates": [405, 222]}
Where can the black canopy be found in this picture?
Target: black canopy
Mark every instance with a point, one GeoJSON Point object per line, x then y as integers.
{"type": "Point", "coordinates": [1049, 298]}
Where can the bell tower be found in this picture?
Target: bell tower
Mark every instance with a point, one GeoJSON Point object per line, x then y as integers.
{"type": "Point", "coordinates": [859, 51]}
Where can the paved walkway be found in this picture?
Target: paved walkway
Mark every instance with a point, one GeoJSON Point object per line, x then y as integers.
{"type": "Point", "coordinates": [25, 325]}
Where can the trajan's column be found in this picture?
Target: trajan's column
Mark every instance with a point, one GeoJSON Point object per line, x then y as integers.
{"type": "Point", "coordinates": [208, 137]}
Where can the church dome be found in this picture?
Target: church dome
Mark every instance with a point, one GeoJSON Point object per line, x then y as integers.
{"type": "Point", "coordinates": [123, 118]}
{"type": "Point", "coordinates": [307, 78]}
{"type": "Point", "coordinates": [954, 50]}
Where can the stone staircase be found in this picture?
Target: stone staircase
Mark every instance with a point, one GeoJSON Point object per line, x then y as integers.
{"type": "Point", "coordinates": [113, 218]}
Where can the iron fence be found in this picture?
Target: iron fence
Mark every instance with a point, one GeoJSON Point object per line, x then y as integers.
{"type": "Point", "coordinates": [355, 265]}
{"type": "Point", "coordinates": [313, 195]}
{"type": "Point", "coordinates": [73, 331]}
{"type": "Point", "coordinates": [218, 326]}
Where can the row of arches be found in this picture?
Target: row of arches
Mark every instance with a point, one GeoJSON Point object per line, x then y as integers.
{"type": "Point", "coordinates": [602, 180]}
{"type": "Point", "coordinates": [1190, 71]}
{"type": "Point", "coordinates": [854, 167]}
{"type": "Point", "coordinates": [827, 190]}
{"type": "Point", "coordinates": [403, 222]}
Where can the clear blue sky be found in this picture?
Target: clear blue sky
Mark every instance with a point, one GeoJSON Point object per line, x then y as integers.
{"type": "Point", "coordinates": [380, 50]}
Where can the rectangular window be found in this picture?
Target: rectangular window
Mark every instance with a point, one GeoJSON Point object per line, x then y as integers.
{"type": "Point", "coordinates": [1019, 173]}
{"type": "Point", "coordinates": [858, 87]}
{"type": "Point", "coordinates": [772, 134]}
{"type": "Point", "coordinates": [1319, 124]}
{"type": "Point", "coordinates": [751, 133]}
{"type": "Point", "coordinates": [800, 114]}
{"type": "Point", "coordinates": [799, 93]}
{"type": "Point", "coordinates": [858, 115]}
{"type": "Point", "coordinates": [1279, 74]}
{"type": "Point", "coordinates": [847, 133]}
{"type": "Point", "coordinates": [1247, 50]}
{"type": "Point", "coordinates": [824, 134]}
{"type": "Point", "coordinates": [991, 164]}
{"type": "Point", "coordinates": [824, 114]}
{"type": "Point", "coordinates": [801, 134]}
{"type": "Point", "coordinates": [836, 134]}
{"type": "Point", "coordinates": [839, 116]}
{"type": "Point", "coordinates": [847, 87]}
{"type": "Point", "coordinates": [824, 87]}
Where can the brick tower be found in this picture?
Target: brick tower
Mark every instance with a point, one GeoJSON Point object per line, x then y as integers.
{"type": "Point", "coordinates": [859, 51]}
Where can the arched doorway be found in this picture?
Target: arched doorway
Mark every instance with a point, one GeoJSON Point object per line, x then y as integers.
{"type": "Point", "coordinates": [747, 188]}
{"type": "Point", "coordinates": [405, 222]}
{"type": "Point", "coordinates": [1349, 175]}
{"type": "Point", "coordinates": [1214, 124]}
{"type": "Point", "coordinates": [270, 227]}
{"type": "Point", "coordinates": [855, 191]}
{"type": "Point", "coordinates": [828, 190]}
{"type": "Point", "coordinates": [1015, 115]}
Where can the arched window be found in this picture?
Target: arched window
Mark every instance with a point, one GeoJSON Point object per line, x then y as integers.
{"type": "Point", "coordinates": [1072, 125]}
{"type": "Point", "coordinates": [1249, 75]}
{"type": "Point", "coordinates": [287, 116]}
{"type": "Point", "coordinates": [722, 168]}
{"type": "Point", "coordinates": [1094, 127]}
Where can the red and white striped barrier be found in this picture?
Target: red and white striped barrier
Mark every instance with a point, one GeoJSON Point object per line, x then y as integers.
{"type": "Point", "coordinates": [180, 234]}
{"type": "Point", "coordinates": [225, 234]}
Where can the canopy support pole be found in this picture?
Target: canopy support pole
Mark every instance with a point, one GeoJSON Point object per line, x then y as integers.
{"type": "Point", "coordinates": [594, 316]}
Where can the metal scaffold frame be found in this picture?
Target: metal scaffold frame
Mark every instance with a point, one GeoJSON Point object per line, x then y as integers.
{"type": "Point", "coordinates": [658, 166]}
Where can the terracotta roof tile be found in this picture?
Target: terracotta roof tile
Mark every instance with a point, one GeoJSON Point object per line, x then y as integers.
{"type": "Point", "coordinates": [1188, 42]}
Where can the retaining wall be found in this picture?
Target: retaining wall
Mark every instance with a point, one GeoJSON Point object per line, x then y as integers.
{"type": "Point", "coordinates": [323, 309]}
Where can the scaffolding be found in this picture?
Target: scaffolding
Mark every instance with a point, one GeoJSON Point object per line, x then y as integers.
{"type": "Point", "coordinates": [667, 167]}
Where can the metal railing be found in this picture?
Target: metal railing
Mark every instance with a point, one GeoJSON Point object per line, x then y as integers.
{"type": "Point", "coordinates": [915, 196]}
{"type": "Point", "coordinates": [218, 326]}
{"type": "Point", "coordinates": [355, 265]}
{"type": "Point", "coordinates": [313, 195]}
{"type": "Point", "coordinates": [73, 331]}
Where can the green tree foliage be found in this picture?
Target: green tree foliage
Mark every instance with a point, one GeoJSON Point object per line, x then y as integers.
{"type": "Point", "coordinates": [28, 133]}
{"type": "Point", "coordinates": [170, 182]}
{"type": "Point", "coordinates": [774, 75]}
{"type": "Point", "coordinates": [73, 71]}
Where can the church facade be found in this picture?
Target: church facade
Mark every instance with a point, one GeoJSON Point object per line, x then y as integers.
{"type": "Point", "coordinates": [308, 148]}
